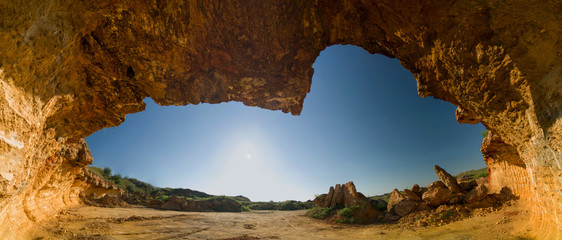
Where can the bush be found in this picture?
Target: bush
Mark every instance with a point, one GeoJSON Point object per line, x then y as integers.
{"type": "Point", "coordinates": [485, 133]}
{"type": "Point", "coordinates": [245, 209]}
{"type": "Point", "coordinates": [106, 172]}
{"type": "Point", "coordinates": [319, 212]}
{"type": "Point", "coordinates": [380, 205]}
{"type": "Point", "coordinates": [347, 214]}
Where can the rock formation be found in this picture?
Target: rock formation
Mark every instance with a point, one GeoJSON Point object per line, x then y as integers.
{"type": "Point", "coordinates": [343, 196]}
{"type": "Point", "coordinates": [447, 179]}
{"type": "Point", "coordinates": [340, 196]}
{"type": "Point", "coordinates": [395, 197]}
{"type": "Point", "coordinates": [70, 68]}
{"type": "Point", "coordinates": [437, 196]}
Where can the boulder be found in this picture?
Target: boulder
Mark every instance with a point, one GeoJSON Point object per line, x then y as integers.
{"type": "Point", "coordinates": [368, 214]}
{"type": "Point", "coordinates": [173, 203]}
{"type": "Point", "coordinates": [155, 203]}
{"type": "Point", "coordinates": [437, 196]}
{"type": "Point", "coordinates": [337, 199]}
{"type": "Point", "coordinates": [467, 186]}
{"type": "Point", "coordinates": [456, 198]}
{"type": "Point", "coordinates": [410, 195]}
{"type": "Point", "coordinates": [395, 197]}
{"type": "Point", "coordinates": [350, 195]}
{"type": "Point", "coordinates": [329, 197]}
{"type": "Point", "coordinates": [477, 194]}
{"type": "Point", "coordinates": [404, 207]}
{"type": "Point", "coordinates": [322, 199]}
{"type": "Point", "coordinates": [422, 206]}
{"type": "Point", "coordinates": [436, 184]}
{"type": "Point", "coordinates": [447, 179]}
{"type": "Point", "coordinates": [416, 190]}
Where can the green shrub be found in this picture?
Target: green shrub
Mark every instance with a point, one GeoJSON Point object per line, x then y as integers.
{"type": "Point", "coordinates": [319, 212]}
{"type": "Point", "coordinates": [106, 172]}
{"type": "Point", "coordinates": [484, 175]}
{"type": "Point", "coordinates": [485, 133]}
{"type": "Point", "coordinates": [347, 214]}
{"type": "Point", "coordinates": [379, 205]}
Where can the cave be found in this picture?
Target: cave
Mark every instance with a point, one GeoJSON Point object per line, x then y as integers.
{"type": "Point", "coordinates": [68, 69]}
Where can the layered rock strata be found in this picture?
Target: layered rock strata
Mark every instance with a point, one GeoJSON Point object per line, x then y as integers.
{"type": "Point", "coordinates": [70, 68]}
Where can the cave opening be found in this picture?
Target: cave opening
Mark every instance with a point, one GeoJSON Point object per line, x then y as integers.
{"type": "Point", "coordinates": [363, 121]}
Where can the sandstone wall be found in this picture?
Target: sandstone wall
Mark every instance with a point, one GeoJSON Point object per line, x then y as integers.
{"type": "Point", "coordinates": [69, 68]}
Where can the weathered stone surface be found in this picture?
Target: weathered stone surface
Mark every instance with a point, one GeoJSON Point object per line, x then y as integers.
{"type": "Point", "coordinates": [416, 190]}
{"type": "Point", "coordinates": [436, 184]}
{"type": "Point", "coordinates": [173, 203]}
{"type": "Point", "coordinates": [422, 206]}
{"type": "Point", "coordinates": [505, 167]}
{"type": "Point", "coordinates": [410, 195]}
{"type": "Point", "coordinates": [456, 198]}
{"type": "Point", "coordinates": [321, 200]}
{"type": "Point", "coordinates": [70, 68]}
{"type": "Point", "coordinates": [341, 196]}
{"type": "Point", "coordinates": [329, 197]}
{"type": "Point", "coordinates": [464, 116]}
{"type": "Point", "coordinates": [337, 198]}
{"type": "Point", "coordinates": [437, 196]}
{"type": "Point", "coordinates": [467, 186]}
{"type": "Point", "coordinates": [155, 203]}
{"type": "Point", "coordinates": [447, 179]}
{"type": "Point", "coordinates": [404, 207]}
{"type": "Point", "coordinates": [395, 197]}
{"type": "Point", "coordinates": [476, 194]}
{"type": "Point", "coordinates": [350, 195]}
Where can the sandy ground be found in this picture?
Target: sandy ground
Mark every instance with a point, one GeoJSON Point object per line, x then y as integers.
{"type": "Point", "coordinates": [145, 223]}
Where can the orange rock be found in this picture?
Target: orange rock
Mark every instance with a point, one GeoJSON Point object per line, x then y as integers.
{"type": "Point", "coordinates": [447, 179]}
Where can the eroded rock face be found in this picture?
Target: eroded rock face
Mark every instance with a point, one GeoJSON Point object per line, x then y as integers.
{"type": "Point", "coordinates": [68, 69]}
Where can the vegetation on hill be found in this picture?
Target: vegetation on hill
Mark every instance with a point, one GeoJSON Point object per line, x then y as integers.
{"type": "Point", "coordinates": [473, 174]}
{"type": "Point", "coordinates": [143, 192]}
{"type": "Point", "coordinates": [130, 185]}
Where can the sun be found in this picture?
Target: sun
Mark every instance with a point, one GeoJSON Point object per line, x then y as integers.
{"type": "Point", "coordinates": [248, 156]}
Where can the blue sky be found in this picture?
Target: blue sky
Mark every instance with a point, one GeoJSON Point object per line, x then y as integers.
{"type": "Point", "coordinates": [363, 121]}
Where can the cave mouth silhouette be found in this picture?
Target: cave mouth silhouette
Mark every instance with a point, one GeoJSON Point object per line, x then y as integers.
{"type": "Point", "coordinates": [363, 121]}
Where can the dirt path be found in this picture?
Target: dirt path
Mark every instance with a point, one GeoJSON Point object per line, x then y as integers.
{"type": "Point", "coordinates": [144, 223]}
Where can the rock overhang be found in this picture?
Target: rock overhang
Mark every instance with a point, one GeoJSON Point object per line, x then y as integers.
{"type": "Point", "coordinates": [72, 68]}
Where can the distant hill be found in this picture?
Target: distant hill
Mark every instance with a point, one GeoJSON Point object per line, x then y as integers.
{"type": "Point", "coordinates": [139, 192]}
{"type": "Point", "coordinates": [473, 174]}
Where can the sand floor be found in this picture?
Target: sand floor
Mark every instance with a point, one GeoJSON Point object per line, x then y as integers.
{"type": "Point", "coordinates": [145, 223]}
